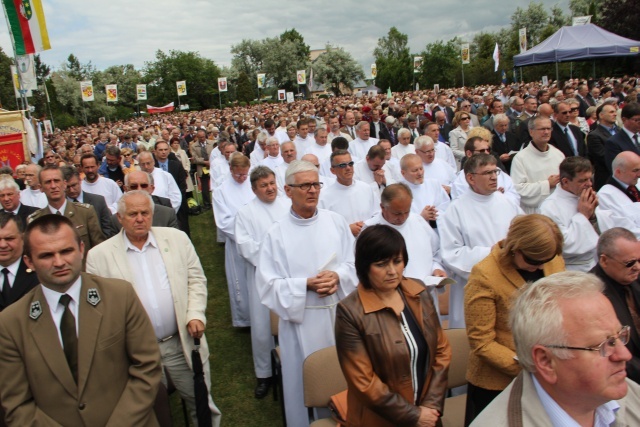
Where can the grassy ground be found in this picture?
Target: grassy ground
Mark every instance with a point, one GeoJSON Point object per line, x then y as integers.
{"type": "Point", "coordinates": [232, 376]}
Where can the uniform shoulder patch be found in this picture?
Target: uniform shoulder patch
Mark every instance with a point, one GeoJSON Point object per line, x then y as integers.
{"type": "Point", "coordinates": [35, 310]}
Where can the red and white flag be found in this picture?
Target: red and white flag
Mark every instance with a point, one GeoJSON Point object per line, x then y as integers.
{"type": "Point", "coordinates": [166, 109]}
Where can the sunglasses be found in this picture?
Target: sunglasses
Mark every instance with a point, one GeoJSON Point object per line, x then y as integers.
{"type": "Point", "coordinates": [627, 264]}
{"type": "Point", "coordinates": [535, 262]}
{"type": "Point", "coordinates": [343, 165]}
{"type": "Point", "coordinates": [136, 186]}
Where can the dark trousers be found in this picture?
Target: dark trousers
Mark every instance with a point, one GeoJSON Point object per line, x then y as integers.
{"type": "Point", "coordinates": [205, 180]}
{"type": "Point", "coordinates": [478, 398]}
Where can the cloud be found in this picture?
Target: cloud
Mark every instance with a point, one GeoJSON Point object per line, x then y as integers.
{"type": "Point", "coordinates": [130, 32]}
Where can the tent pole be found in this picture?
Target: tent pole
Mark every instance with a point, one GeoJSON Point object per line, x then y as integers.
{"type": "Point", "coordinates": [571, 70]}
{"type": "Point", "coordinates": [594, 68]}
{"type": "Point", "coordinates": [557, 75]}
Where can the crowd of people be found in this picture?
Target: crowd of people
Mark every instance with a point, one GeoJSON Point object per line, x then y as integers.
{"type": "Point", "coordinates": [342, 216]}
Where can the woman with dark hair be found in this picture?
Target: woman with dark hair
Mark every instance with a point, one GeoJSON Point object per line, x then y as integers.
{"type": "Point", "coordinates": [392, 350]}
{"type": "Point", "coordinates": [532, 250]}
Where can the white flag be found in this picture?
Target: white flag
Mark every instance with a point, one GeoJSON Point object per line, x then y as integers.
{"type": "Point", "coordinates": [496, 57]}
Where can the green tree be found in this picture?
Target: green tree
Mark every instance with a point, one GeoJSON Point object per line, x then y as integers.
{"type": "Point", "coordinates": [7, 94]}
{"type": "Point", "coordinates": [302, 50]}
{"type": "Point", "coordinates": [441, 64]}
{"type": "Point", "coordinates": [336, 69]}
{"type": "Point", "coordinates": [244, 88]}
{"type": "Point", "coordinates": [281, 61]}
{"type": "Point", "coordinates": [586, 7]}
{"type": "Point", "coordinates": [248, 56]}
{"type": "Point", "coordinates": [201, 75]}
{"type": "Point", "coordinates": [620, 18]}
{"type": "Point", "coordinates": [393, 61]}
{"type": "Point", "coordinates": [535, 18]}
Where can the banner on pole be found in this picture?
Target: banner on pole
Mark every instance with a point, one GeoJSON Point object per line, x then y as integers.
{"type": "Point", "coordinates": [281, 95]}
{"type": "Point", "coordinates": [86, 87]}
{"type": "Point", "coordinates": [112, 93]}
{"type": "Point", "coordinates": [27, 25]}
{"type": "Point", "coordinates": [12, 152]}
{"type": "Point", "coordinates": [16, 83]}
{"type": "Point", "coordinates": [48, 128]}
{"type": "Point", "coordinates": [301, 77]}
{"type": "Point", "coordinates": [417, 64]}
{"type": "Point", "coordinates": [141, 92]}
{"type": "Point", "coordinates": [261, 79]}
{"type": "Point", "coordinates": [27, 71]}
{"type": "Point", "coordinates": [465, 53]}
{"type": "Point", "coordinates": [374, 71]}
{"type": "Point", "coordinates": [165, 109]}
{"type": "Point", "coordinates": [182, 87]}
{"type": "Point", "coordinates": [290, 97]}
{"type": "Point", "coordinates": [522, 36]}
{"type": "Point", "coordinates": [581, 20]}
{"type": "Point", "coordinates": [222, 84]}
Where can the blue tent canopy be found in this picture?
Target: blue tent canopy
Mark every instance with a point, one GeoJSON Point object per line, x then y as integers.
{"type": "Point", "coordinates": [579, 43]}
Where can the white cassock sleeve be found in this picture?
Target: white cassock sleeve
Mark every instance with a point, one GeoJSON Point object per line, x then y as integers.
{"type": "Point", "coordinates": [225, 217]}
{"type": "Point", "coordinates": [435, 247]}
{"type": "Point", "coordinates": [531, 193]}
{"type": "Point", "coordinates": [580, 238]}
{"type": "Point", "coordinates": [246, 240]}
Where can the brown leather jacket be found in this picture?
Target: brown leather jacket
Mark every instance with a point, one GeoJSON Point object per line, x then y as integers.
{"type": "Point", "coordinates": [375, 359]}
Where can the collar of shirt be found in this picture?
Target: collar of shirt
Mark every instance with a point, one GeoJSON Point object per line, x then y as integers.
{"type": "Point", "coordinates": [295, 215]}
{"type": "Point", "coordinates": [151, 240]}
{"type": "Point", "coordinates": [622, 184]}
{"type": "Point", "coordinates": [79, 198]}
{"type": "Point", "coordinates": [605, 414]}
{"type": "Point", "coordinates": [62, 208]}
{"type": "Point", "coordinates": [53, 297]}
{"type": "Point", "coordinates": [15, 211]}
{"type": "Point", "coordinates": [13, 270]}
{"type": "Point", "coordinates": [610, 129]}
{"type": "Point", "coordinates": [166, 162]}
{"type": "Point", "coordinates": [630, 134]}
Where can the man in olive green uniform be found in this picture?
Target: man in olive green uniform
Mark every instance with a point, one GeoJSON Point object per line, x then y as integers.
{"type": "Point", "coordinates": [82, 215]}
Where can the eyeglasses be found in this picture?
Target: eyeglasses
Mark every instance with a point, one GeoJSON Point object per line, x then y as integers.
{"type": "Point", "coordinates": [427, 151]}
{"type": "Point", "coordinates": [484, 150]}
{"type": "Point", "coordinates": [495, 172]}
{"type": "Point", "coordinates": [573, 110]}
{"type": "Point", "coordinates": [545, 129]}
{"type": "Point", "coordinates": [607, 347]}
{"type": "Point", "coordinates": [627, 264]}
{"type": "Point", "coordinates": [535, 262]}
{"type": "Point", "coordinates": [343, 165]}
{"type": "Point", "coordinates": [307, 185]}
{"type": "Point", "coordinates": [240, 175]}
{"type": "Point", "coordinates": [136, 186]}
{"type": "Point", "coordinates": [564, 112]}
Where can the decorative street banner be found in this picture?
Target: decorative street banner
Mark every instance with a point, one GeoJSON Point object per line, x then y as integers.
{"type": "Point", "coordinates": [166, 109]}
{"type": "Point", "coordinates": [27, 71]}
{"type": "Point", "coordinates": [222, 84]}
{"type": "Point", "coordinates": [48, 128]}
{"type": "Point", "coordinates": [301, 76]}
{"type": "Point", "coordinates": [16, 83]}
{"type": "Point", "coordinates": [281, 94]}
{"type": "Point", "coordinates": [417, 64]}
{"type": "Point", "coordinates": [374, 71]}
{"type": "Point", "coordinates": [261, 79]}
{"type": "Point", "coordinates": [28, 26]}
{"type": "Point", "coordinates": [581, 20]}
{"type": "Point", "coordinates": [86, 87]}
{"type": "Point", "coordinates": [112, 93]}
{"type": "Point", "coordinates": [436, 88]}
{"type": "Point", "coordinates": [141, 92]}
{"type": "Point", "coordinates": [522, 36]}
{"type": "Point", "coordinates": [11, 150]}
{"type": "Point", "coordinates": [182, 87]}
{"type": "Point", "coordinates": [465, 53]}
{"type": "Point", "coordinates": [290, 97]}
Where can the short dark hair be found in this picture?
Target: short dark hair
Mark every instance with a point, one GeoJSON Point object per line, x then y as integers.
{"type": "Point", "coordinates": [112, 150]}
{"type": "Point", "coordinates": [376, 243]}
{"type": "Point", "coordinates": [336, 154]}
{"type": "Point", "coordinates": [69, 172]}
{"type": "Point", "coordinates": [162, 141]}
{"type": "Point", "coordinates": [259, 173]}
{"type": "Point", "coordinates": [572, 166]}
{"type": "Point", "coordinates": [5, 217]}
{"type": "Point", "coordinates": [48, 168]}
{"type": "Point", "coordinates": [477, 161]}
{"type": "Point", "coordinates": [630, 110]}
{"type": "Point", "coordinates": [47, 224]}
{"type": "Point", "coordinates": [340, 143]}
{"type": "Point", "coordinates": [89, 156]}
{"type": "Point", "coordinates": [376, 152]}
{"type": "Point", "coordinates": [470, 145]}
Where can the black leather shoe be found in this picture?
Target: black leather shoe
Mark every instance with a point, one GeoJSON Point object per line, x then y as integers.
{"type": "Point", "coordinates": [262, 389]}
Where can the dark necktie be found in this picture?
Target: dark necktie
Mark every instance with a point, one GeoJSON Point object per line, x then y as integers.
{"type": "Point", "coordinates": [351, 133]}
{"type": "Point", "coordinates": [634, 193]}
{"type": "Point", "coordinates": [76, 200]}
{"type": "Point", "coordinates": [635, 141]}
{"type": "Point", "coordinates": [6, 287]}
{"type": "Point", "coordinates": [631, 304]}
{"type": "Point", "coordinates": [69, 336]}
{"type": "Point", "coordinates": [58, 213]}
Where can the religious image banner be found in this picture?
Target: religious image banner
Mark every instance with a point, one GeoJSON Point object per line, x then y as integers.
{"type": "Point", "coordinates": [417, 64]}
{"type": "Point", "coordinates": [261, 79]}
{"type": "Point", "coordinates": [374, 71]}
{"type": "Point", "coordinates": [86, 87]}
{"type": "Point", "coordinates": [112, 93]}
{"type": "Point", "coordinates": [522, 36]}
{"type": "Point", "coordinates": [465, 53]}
{"type": "Point", "coordinates": [141, 92]}
{"type": "Point", "coordinates": [222, 84]}
{"type": "Point", "coordinates": [301, 77]}
{"type": "Point", "coordinates": [182, 87]}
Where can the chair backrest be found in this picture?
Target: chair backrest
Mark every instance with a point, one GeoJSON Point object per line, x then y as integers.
{"type": "Point", "coordinates": [459, 357]}
{"type": "Point", "coordinates": [322, 377]}
{"type": "Point", "coordinates": [274, 323]}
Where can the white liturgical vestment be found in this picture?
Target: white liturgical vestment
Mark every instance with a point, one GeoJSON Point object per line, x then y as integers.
{"type": "Point", "coordinates": [356, 202]}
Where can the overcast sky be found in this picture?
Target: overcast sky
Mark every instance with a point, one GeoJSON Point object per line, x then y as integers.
{"type": "Point", "coordinates": [115, 32]}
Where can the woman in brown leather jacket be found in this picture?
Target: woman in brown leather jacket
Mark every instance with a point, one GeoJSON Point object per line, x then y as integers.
{"type": "Point", "coordinates": [393, 352]}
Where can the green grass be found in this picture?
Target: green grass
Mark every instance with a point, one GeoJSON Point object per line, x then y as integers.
{"type": "Point", "coordinates": [232, 375]}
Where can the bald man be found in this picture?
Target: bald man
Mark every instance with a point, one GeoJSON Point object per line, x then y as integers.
{"type": "Point", "coordinates": [619, 197]}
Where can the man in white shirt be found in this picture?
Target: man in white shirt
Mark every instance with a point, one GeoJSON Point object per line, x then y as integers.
{"type": "Point", "coordinates": [443, 151]}
{"type": "Point", "coordinates": [359, 147]}
{"type": "Point", "coordinates": [354, 200]}
{"type": "Point", "coordinates": [32, 196]}
{"type": "Point", "coordinates": [423, 243]}
{"type": "Point", "coordinates": [165, 184]}
{"type": "Point", "coordinates": [96, 184]}
{"type": "Point", "coordinates": [253, 220]}
{"type": "Point", "coordinates": [572, 206]}
{"type": "Point", "coordinates": [403, 147]}
{"type": "Point", "coordinates": [567, 379]}
{"type": "Point", "coordinates": [391, 165]}
{"type": "Point", "coordinates": [273, 159]}
{"type": "Point", "coordinates": [434, 168]}
{"type": "Point", "coordinates": [305, 267]}
{"type": "Point", "coordinates": [472, 224]}
{"type": "Point", "coordinates": [289, 154]}
{"type": "Point", "coordinates": [303, 139]}
{"type": "Point", "coordinates": [259, 152]}
{"type": "Point", "coordinates": [335, 131]}
{"type": "Point", "coordinates": [371, 170]}
{"type": "Point", "coordinates": [534, 169]}
{"type": "Point", "coordinates": [429, 198]}
{"type": "Point", "coordinates": [619, 199]}
{"type": "Point", "coordinates": [320, 148]}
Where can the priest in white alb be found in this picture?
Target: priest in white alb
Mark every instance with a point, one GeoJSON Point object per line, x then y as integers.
{"type": "Point", "coordinates": [305, 267]}
{"type": "Point", "coordinates": [253, 220]}
{"type": "Point", "coordinates": [471, 225]}
{"type": "Point", "coordinates": [273, 159]}
{"type": "Point", "coordinates": [372, 169]}
{"type": "Point", "coordinates": [403, 146]}
{"type": "Point", "coordinates": [359, 147]}
{"type": "Point", "coordinates": [228, 198]}
{"type": "Point", "coordinates": [434, 168]}
{"type": "Point", "coordinates": [321, 147]}
{"type": "Point", "coordinates": [429, 198]}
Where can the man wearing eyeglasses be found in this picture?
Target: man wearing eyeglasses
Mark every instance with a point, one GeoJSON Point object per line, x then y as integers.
{"type": "Point", "coordinates": [354, 200]}
{"type": "Point", "coordinates": [618, 267]}
{"type": "Point", "coordinates": [573, 363]}
{"type": "Point", "coordinates": [572, 206]}
{"type": "Point", "coordinates": [434, 168]}
{"type": "Point", "coordinates": [463, 241]}
{"type": "Point", "coordinates": [566, 137]}
{"type": "Point", "coordinates": [75, 194]}
{"type": "Point", "coordinates": [305, 267]}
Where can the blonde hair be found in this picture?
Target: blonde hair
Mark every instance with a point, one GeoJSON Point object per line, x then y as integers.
{"type": "Point", "coordinates": [481, 132]}
{"type": "Point", "coordinates": [535, 235]}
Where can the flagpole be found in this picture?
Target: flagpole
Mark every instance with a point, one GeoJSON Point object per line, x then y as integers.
{"type": "Point", "coordinates": [219, 99]}
{"type": "Point", "coordinates": [46, 92]}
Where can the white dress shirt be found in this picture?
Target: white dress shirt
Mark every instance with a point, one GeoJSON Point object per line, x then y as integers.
{"type": "Point", "coordinates": [57, 309]}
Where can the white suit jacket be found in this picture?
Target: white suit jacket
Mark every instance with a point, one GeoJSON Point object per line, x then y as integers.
{"type": "Point", "coordinates": [186, 277]}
